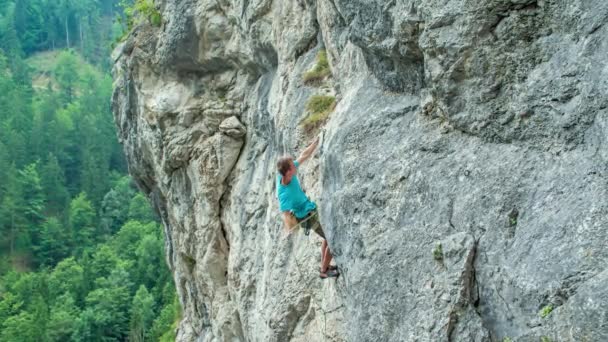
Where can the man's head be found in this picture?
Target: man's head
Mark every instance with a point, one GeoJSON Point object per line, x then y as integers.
{"type": "Point", "coordinates": [286, 167]}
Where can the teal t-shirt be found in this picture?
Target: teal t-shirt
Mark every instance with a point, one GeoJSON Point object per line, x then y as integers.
{"type": "Point", "coordinates": [292, 197]}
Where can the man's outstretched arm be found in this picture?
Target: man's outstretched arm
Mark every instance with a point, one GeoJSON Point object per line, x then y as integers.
{"type": "Point", "coordinates": [308, 151]}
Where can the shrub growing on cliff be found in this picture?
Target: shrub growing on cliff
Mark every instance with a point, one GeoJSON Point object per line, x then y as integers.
{"type": "Point", "coordinates": [144, 8]}
{"type": "Point", "coordinates": [513, 215]}
{"type": "Point", "coordinates": [319, 71]}
{"type": "Point", "coordinates": [546, 311]}
{"type": "Point", "coordinates": [438, 252]}
{"type": "Point", "coordinates": [319, 107]}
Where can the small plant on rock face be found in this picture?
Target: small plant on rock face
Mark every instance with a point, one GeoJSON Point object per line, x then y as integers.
{"type": "Point", "coordinates": [546, 311]}
{"type": "Point", "coordinates": [319, 108]}
{"type": "Point", "coordinates": [143, 8]}
{"type": "Point", "coordinates": [319, 71]}
{"type": "Point", "coordinates": [438, 252]}
{"type": "Point", "coordinates": [513, 215]}
{"type": "Point", "coordinates": [507, 339]}
{"type": "Point", "coordinates": [545, 339]}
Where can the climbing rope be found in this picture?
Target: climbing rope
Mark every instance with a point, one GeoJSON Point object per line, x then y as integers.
{"type": "Point", "coordinates": [304, 224]}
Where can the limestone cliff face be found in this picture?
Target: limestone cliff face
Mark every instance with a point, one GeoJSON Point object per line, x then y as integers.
{"type": "Point", "coordinates": [477, 126]}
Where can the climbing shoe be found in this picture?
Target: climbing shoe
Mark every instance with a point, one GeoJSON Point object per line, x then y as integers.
{"type": "Point", "coordinates": [329, 274]}
{"type": "Point", "coordinates": [330, 268]}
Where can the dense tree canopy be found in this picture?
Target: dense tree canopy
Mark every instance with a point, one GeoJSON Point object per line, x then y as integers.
{"type": "Point", "coordinates": [81, 251]}
{"type": "Point", "coordinates": [28, 26]}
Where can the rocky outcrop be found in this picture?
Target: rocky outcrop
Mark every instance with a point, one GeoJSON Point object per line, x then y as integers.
{"type": "Point", "coordinates": [462, 176]}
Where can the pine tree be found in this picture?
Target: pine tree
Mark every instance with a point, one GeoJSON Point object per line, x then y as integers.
{"type": "Point", "coordinates": [53, 183]}
{"type": "Point", "coordinates": [54, 242]}
{"type": "Point", "coordinates": [66, 75]}
{"type": "Point", "coordinates": [32, 197]}
{"type": "Point", "coordinates": [29, 24]}
{"type": "Point", "coordinates": [115, 206]}
{"type": "Point", "coordinates": [82, 218]}
{"type": "Point", "coordinates": [10, 221]}
{"type": "Point", "coordinates": [9, 39]}
{"type": "Point", "coordinates": [22, 207]}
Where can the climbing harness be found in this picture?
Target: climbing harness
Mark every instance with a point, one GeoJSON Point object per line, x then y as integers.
{"type": "Point", "coordinates": [306, 224]}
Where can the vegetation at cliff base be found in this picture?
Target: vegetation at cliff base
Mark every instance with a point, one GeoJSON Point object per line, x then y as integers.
{"type": "Point", "coordinates": [81, 251]}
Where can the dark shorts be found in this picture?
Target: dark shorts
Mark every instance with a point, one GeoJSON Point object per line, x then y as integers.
{"type": "Point", "coordinates": [311, 221]}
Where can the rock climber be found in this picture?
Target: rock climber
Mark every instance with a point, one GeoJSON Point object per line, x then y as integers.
{"type": "Point", "coordinates": [297, 208]}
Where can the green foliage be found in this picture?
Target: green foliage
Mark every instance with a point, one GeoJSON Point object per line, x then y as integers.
{"type": "Point", "coordinates": [28, 26]}
{"type": "Point", "coordinates": [320, 71]}
{"type": "Point", "coordinates": [19, 328]}
{"type": "Point", "coordinates": [126, 241]}
{"type": "Point", "coordinates": [67, 278]}
{"type": "Point", "coordinates": [507, 339]}
{"type": "Point", "coordinates": [27, 292]}
{"type": "Point", "coordinates": [9, 38]}
{"type": "Point", "coordinates": [22, 205]}
{"type": "Point", "coordinates": [31, 193]}
{"type": "Point", "coordinates": [149, 257]}
{"type": "Point", "coordinates": [104, 261]}
{"type": "Point", "coordinates": [54, 242]}
{"type": "Point", "coordinates": [137, 10]}
{"type": "Point", "coordinates": [319, 107]}
{"type": "Point", "coordinates": [72, 265]}
{"type": "Point", "coordinates": [115, 206]}
{"type": "Point", "coordinates": [513, 215]}
{"type": "Point", "coordinates": [438, 252]}
{"type": "Point", "coordinates": [140, 210]}
{"type": "Point", "coordinates": [66, 75]}
{"type": "Point", "coordinates": [63, 317]}
{"type": "Point", "coordinates": [53, 185]}
{"type": "Point", "coordinates": [545, 339]}
{"type": "Point", "coordinates": [10, 305]}
{"type": "Point", "coordinates": [545, 311]}
{"type": "Point", "coordinates": [109, 305]}
{"type": "Point", "coordinates": [319, 104]}
{"type": "Point", "coordinates": [164, 326]}
{"type": "Point", "coordinates": [81, 219]}
{"type": "Point", "coordinates": [142, 314]}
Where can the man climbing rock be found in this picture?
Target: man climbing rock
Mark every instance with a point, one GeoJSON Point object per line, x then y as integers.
{"type": "Point", "coordinates": [297, 209]}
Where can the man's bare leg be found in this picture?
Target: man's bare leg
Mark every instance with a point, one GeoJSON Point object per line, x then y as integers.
{"type": "Point", "coordinates": [328, 257]}
{"type": "Point", "coordinates": [326, 260]}
{"type": "Point", "coordinates": [323, 253]}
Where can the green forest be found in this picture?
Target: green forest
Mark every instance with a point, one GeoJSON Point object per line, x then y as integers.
{"type": "Point", "coordinates": [81, 251]}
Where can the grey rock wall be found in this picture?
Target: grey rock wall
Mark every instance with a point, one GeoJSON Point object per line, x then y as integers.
{"type": "Point", "coordinates": [462, 179]}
